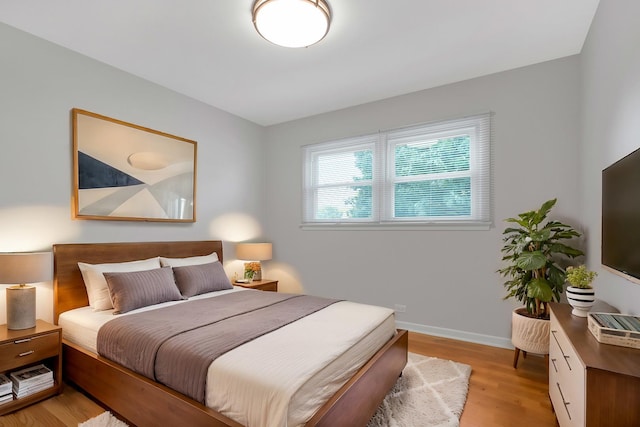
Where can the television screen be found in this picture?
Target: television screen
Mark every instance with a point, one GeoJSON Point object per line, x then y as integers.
{"type": "Point", "coordinates": [621, 215]}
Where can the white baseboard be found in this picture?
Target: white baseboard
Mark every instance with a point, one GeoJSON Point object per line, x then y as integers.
{"type": "Point", "coordinates": [456, 335]}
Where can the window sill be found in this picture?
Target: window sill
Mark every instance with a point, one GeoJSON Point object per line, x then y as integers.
{"type": "Point", "coordinates": [478, 226]}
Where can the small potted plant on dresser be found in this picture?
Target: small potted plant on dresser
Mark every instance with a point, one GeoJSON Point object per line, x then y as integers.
{"type": "Point", "coordinates": [532, 248]}
{"type": "Point", "coordinates": [580, 293]}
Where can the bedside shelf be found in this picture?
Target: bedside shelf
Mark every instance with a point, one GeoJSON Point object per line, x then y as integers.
{"type": "Point", "coordinates": [23, 348]}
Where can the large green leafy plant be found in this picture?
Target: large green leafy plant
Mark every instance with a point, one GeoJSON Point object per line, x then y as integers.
{"type": "Point", "coordinates": [532, 250]}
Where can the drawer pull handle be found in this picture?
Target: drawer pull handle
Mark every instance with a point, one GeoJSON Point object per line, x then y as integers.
{"type": "Point", "coordinates": [564, 402]}
{"type": "Point", "coordinates": [557, 342]}
{"type": "Point", "coordinates": [554, 364]}
{"type": "Point", "coordinates": [26, 353]}
{"type": "Point", "coordinates": [566, 359]}
{"type": "Point", "coordinates": [21, 341]}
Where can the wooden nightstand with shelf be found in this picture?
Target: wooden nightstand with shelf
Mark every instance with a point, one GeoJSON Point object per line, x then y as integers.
{"type": "Point", "coordinates": [262, 285]}
{"type": "Point", "coordinates": [27, 347]}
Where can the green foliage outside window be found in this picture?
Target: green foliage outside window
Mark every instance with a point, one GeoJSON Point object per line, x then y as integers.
{"type": "Point", "coordinates": [445, 155]}
{"type": "Point", "coordinates": [362, 203]}
{"type": "Point", "coordinates": [429, 197]}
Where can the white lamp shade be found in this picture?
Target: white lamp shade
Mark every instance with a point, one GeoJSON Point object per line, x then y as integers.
{"type": "Point", "coordinates": [292, 23]}
{"type": "Point", "coordinates": [25, 267]}
{"type": "Point", "coordinates": [254, 251]}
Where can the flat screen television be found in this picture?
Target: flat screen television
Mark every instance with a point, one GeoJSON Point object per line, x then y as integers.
{"type": "Point", "coordinates": [621, 216]}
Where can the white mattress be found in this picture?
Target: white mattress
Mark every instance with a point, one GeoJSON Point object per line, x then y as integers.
{"type": "Point", "coordinates": [269, 381]}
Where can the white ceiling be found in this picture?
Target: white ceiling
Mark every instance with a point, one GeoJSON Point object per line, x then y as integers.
{"type": "Point", "coordinates": [375, 49]}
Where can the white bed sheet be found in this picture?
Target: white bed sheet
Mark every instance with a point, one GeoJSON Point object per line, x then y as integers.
{"type": "Point", "coordinates": [287, 387]}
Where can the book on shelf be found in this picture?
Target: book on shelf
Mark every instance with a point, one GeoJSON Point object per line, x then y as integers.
{"type": "Point", "coordinates": [6, 398]}
{"type": "Point", "coordinates": [31, 375]}
{"type": "Point", "coordinates": [5, 385]}
{"type": "Point", "coordinates": [21, 391]}
{"type": "Point", "coordinates": [31, 380]}
{"type": "Point", "coordinates": [26, 391]}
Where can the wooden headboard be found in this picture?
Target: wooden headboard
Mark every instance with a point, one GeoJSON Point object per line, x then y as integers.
{"type": "Point", "coordinates": [69, 291]}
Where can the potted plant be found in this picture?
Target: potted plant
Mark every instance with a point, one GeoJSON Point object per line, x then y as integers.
{"type": "Point", "coordinates": [580, 294]}
{"type": "Point", "coordinates": [532, 249]}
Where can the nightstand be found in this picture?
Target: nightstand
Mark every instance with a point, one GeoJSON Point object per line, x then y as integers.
{"type": "Point", "coordinates": [262, 285]}
{"type": "Point", "coordinates": [27, 347]}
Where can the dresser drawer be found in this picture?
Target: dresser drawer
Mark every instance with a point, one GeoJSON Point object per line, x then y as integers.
{"type": "Point", "coordinates": [22, 352]}
{"type": "Point", "coordinates": [566, 378]}
{"type": "Point", "coordinates": [564, 413]}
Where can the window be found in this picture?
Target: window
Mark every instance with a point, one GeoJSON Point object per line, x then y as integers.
{"type": "Point", "coordinates": [437, 174]}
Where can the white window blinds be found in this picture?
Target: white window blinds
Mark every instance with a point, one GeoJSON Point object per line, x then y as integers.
{"type": "Point", "coordinates": [437, 173]}
{"type": "Point", "coordinates": [339, 181]}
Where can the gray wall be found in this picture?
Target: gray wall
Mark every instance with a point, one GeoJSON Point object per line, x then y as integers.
{"type": "Point", "coordinates": [610, 63]}
{"type": "Point", "coordinates": [39, 85]}
{"type": "Point", "coordinates": [446, 279]}
{"type": "Point", "coordinates": [556, 125]}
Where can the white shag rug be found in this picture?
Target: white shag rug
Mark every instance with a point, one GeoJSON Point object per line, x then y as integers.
{"type": "Point", "coordinates": [105, 419]}
{"type": "Point", "coordinates": [430, 393]}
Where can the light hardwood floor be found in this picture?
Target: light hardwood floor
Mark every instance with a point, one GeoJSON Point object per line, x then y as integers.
{"type": "Point", "coordinates": [499, 396]}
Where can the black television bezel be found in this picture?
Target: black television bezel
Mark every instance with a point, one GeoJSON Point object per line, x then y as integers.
{"type": "Point", "coordinates": [633, 276]}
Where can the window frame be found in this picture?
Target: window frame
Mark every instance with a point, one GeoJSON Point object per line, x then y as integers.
{"type": "Point", "coordinates": [384, 143]}
{"type": "Point", "coordinates": [310, 192]}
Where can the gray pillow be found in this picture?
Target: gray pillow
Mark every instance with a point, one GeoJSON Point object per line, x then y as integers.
{"type": "Point", "coordinates": [138, 289]}
{"type": "Point", "coordinates": [199, 279]}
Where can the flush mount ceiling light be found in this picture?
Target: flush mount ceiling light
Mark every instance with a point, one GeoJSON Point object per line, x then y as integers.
{"type": "Point", "coordinates": [292, 23]}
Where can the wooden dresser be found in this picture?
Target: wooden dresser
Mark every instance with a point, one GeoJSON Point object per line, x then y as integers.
{"type": "Point", "coordinates": [590, 384]}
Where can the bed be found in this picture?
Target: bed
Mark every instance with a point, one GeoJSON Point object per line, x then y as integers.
{"type": "Point", "coordinates": [143, 402]}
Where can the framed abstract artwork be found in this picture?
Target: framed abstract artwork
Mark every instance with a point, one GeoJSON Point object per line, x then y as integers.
{"type": "Point", "coordinates": [126, 172]}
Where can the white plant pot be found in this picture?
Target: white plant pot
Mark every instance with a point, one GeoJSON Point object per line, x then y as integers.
{"type": "Point", "coordinates": [530, 334]}
{"type": "Point", "coordinates": [581, 299]}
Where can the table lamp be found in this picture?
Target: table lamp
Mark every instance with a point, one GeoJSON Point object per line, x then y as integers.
{"type": "Point", "coordinates": [21, 268]}
{"type": "Point", "coordinates": [254, 252]}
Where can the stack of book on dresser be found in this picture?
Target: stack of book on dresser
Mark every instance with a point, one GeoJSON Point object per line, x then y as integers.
{"type": "Point", "coordinates": [616, 329]}
{"type": "Point", "coordinates": [31, 380]}
{"type": "Point", "coordinates": [6, 392]}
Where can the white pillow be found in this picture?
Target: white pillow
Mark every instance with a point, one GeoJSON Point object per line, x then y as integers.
{"type": "Point", "coordinates": [184, 262]}
{"type": "Point", "coordinates": [96, 284]}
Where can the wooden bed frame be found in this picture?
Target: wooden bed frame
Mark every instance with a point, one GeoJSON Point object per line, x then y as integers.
{"type": "Point", "coordinates": [143, 402]}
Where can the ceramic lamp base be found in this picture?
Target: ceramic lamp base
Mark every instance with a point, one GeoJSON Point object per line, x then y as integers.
{"type": "Point", "coordinates": [21, 307]}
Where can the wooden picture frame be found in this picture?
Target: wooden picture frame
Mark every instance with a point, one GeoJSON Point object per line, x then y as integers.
{"type": "Point", "coordinates": [126, 172]}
